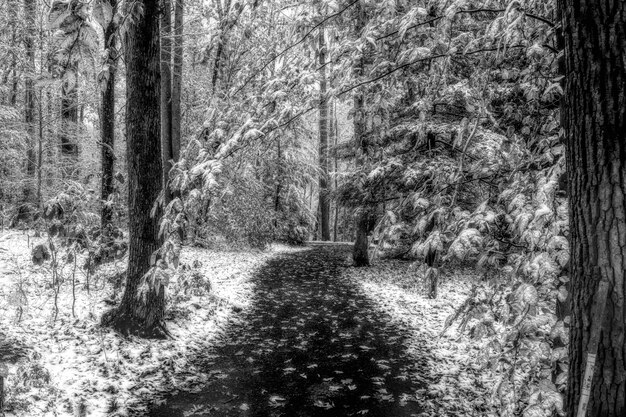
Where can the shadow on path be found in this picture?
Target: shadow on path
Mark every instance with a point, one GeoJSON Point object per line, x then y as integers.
{"type": "Point", "coordinates": [310, 345]}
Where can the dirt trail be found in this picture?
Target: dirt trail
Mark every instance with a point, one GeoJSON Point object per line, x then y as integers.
{"type": "Point", "coordinates": [310, 345]}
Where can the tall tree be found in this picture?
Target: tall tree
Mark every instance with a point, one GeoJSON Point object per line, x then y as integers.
{"type": "Point", "coordinates": [360, 256]}
{"type": "Point", "coordinates": [142, 306]}
{"type": "Point", "coordinates": [324, 201]}
{"type": "Point", "coordinates": [594, 120]}
{"type": "Point", "coordinates": [11, 73]}
{"type": "Point", "coordinates": [166, 93]}
{"type": "Point", "coordinates": [333, 139]}
{"type": "Point", "coordinates": [30, 12]}
{"type": "Point", "coordinates": [105, 12]}
{"type": "Point", "coordinates": [177, 78]}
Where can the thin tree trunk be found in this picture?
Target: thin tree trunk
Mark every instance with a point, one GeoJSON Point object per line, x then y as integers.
{"type": "Point", "coordinates": [335, 134]}
{"type": "Point", "coordinates": [177, 79]}
{"type": "Point", "coordinates": [143, 303]}
{"type": "Point", "coordinates": [12, 15]}
{"type": "Point", "coordinates": [595, 123]}
{"type": "Point", "coordinates": [108, 121]}
{"type": "Point", "coordinates": [279, 177]}
{"type": "Point", "coordinates": [40, 150]}
{"type": "Point", "coordinates": [324, 202]}
{"type": "Point", "coordinates": [51, 135]}
{"type": "Point", "coordinates": [166, 95]}
{"type": "Point", "coordinates": [360, 256]}
{"type": "Point", "coordinates": [30, 12]}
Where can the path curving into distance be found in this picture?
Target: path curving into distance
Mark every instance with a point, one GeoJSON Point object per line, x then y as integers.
{"type": "Point", "coordinates": [311, 345]}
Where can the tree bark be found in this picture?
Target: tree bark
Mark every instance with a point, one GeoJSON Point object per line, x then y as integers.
{"type": "Point", "coordinates": [324, 202]}
{"type": "Point", "coordinates": [142, 306]}
{"type": "Point", "coordinates": [108, 120]}
{"type": "Point", "coordinates": [177, 78]}
{"type": "Point", "coordinates": [166, 95]}
{"type": "Point", "coordinates": [360, 256]}
{"type": "Point", "coordinates": [595, 124]}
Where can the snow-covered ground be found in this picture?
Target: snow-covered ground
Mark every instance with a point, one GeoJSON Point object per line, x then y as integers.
{"type": "Point", "coordinates": [454, 384]}
{"type": "Point", "coordinates": [71, 366]}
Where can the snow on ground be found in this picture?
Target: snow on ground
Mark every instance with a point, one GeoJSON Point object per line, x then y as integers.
{"type": "Point", "coordinates": [454, 384]}
{"type": "Point", "coordinates": [71, 366]}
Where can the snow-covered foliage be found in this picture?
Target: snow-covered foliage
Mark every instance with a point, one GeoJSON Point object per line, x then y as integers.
{"type": "Point", "coordinates": [466, 169]}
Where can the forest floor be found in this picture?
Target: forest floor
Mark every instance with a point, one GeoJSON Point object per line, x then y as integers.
{"type": "Point", "coordinates": [71, 366]}
{"type": "Point", "coordinates": [282, 332]}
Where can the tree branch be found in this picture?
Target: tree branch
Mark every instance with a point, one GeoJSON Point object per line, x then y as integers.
{"type": "Point", "coordinates": [281, 53]}
{"type": "Point", "coordinates": [417, 61]}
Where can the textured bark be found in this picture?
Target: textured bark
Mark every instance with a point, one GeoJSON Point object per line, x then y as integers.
{"type": "Point", "coordinates": [595, 125]}
{"type": "Point", "coordinates": [30, 11]}
{"type": "Point", "coordinates": [324, 201]}
{"type": "Point", "coordinates": [360, 257]}
{"type": "Point", "coordinates": [166, 94]}
{"type": "Point", "coordinates": [177, 78]}
{"type": "Point", "coordinates": [108, 121]}
{"type": "Point", "coordinates": [142, 313]}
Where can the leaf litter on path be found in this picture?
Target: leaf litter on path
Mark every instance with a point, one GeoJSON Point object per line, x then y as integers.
{"type": "Point", "coordinates": [320, 347]}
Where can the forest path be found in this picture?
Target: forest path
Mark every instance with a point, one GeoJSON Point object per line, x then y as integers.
{"type": "Point", "coordinates": [311, 344]}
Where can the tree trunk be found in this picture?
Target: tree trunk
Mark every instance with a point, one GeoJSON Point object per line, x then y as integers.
{"type": "Point", "coordinates": [30, 12]}
{"type": "Point", "coordinates": [595, 123]}
{"type": "Point", "coordinates": [324, 202]}
{"type": "Point", "coordinates": [108, 121]}
{"type": "Point", "coordinates": [12, 19]}
{"type": "Point", "coordinates": [166, 95]}
{"type": "Point", "coordinates": [177, 79]}
{"type": "Point", "coordinates": [334, 135]}
{"type": "Point", "coordinates": [360, 256]}
{"type": "Point", "coordinates": [39, 150]}
{"type": "Point", "coordinates": [279, 180]}
{"type": "Point", "coordinates": [142, 306]}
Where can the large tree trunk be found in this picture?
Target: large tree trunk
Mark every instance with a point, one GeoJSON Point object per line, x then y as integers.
{"type": "Point", "coordinates": [30, 12]}
{"type": "Point", "coordinates": [595, 126]}
{"type": "Point", "coordinates": [360, 256]}
{"type": "Point", "coordinates": [177, 79]}
{"type": "Point", "coordinates": [142, 306]}
{"type": "Point", "coordinates": [324, 201]}
{"type": "Point", "coordinates": [166, 95]}
{"type": "Point", "coordinates": [108, 121]}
